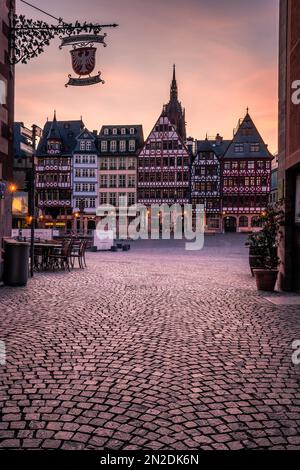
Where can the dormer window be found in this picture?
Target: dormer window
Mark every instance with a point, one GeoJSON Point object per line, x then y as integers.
{"type": "Point", "coordinates": [254, 147]}
{"type": "Point", "coordinates": [53, 147]}
{"type": "Point", "coordinates": [131, 145]}
{"type": "Point", "coordinates": [88, 145]}
{"type": "Point", "coordinates": [123, 131]}
{"type": "Point", "coordinates": [106, 131]}
{"type": "Point", "coordinates": [113, 146]}
{"type": "Point", "coordinates": [115, 131]}
{"type": "Point", "coordinates": [132, 131]}
{"type": "Point", "coordinates": [122, 145]}
{"type": "Point", "coordinates": [82, 145]}
{"type": "Point", "coordinates": [239, 148]}
{"type": "Point", "coordinates": [104, 146]}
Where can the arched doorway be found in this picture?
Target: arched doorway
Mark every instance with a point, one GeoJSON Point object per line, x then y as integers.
{"type": "Point", "coordinates": [229, 224]}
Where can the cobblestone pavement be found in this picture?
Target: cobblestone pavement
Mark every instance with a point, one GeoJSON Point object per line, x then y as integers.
{"type": "Point", "coordinates": [157, 348]}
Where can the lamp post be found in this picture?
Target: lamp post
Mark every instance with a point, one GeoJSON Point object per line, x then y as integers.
{"type": "Point", "coordinates": [32, 198]}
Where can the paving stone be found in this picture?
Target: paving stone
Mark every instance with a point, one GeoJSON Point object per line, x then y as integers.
{"type": "Point", "coordinates": [150, 349]}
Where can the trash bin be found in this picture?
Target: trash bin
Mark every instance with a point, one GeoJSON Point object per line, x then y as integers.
{"type": "Point", "coordinates": [16, 263]}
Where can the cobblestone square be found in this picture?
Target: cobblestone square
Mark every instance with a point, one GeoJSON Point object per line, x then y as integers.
{"type": "Point", "coordinates": [155, 348]}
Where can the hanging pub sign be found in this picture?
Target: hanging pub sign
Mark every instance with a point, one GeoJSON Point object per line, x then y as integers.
{"type": "Point", "coordinates": [83, 57]}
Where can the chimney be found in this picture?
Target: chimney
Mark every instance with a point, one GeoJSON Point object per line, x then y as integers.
{"type": "Point", "coordinates": [219, 139]}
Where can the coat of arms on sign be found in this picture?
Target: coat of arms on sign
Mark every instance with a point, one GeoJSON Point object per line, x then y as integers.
{"type": "Point", "coordinates": [83, 57]}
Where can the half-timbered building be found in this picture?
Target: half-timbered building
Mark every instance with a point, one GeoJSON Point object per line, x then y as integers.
{"type": "Point", "coordinates": [206, 181]}
{"type": "Point", "coordinates": [246, 178]}
{"type": "Point", "coordinates": [163, 166]}
{"type": "Point", "coordinates": [54, 173]}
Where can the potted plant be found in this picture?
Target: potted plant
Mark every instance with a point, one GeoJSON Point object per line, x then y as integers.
{"type": "Point", "coordinates": [266, 243]}
{"type": "Point", "coordinates": [256, 251]}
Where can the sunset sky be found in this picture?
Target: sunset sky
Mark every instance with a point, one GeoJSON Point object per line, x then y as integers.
{"type": "Point", "coordinates": [225, 53]}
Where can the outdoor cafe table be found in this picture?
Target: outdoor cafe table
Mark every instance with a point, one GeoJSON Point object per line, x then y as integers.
{"type": "Point", "coordinates": [43, 250]}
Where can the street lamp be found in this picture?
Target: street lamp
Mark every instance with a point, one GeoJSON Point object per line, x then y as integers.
{"type": "Point", "coordinates": [12, 188]}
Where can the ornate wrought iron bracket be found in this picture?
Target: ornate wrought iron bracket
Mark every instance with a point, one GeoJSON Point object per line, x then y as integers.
{"type": "Point", "coordinates": [28, 38]}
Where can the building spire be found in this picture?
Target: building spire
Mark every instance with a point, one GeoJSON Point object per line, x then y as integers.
{"type": "Point", "coordinates": [174, 88]}
{"type": "Point", "coordinates": [54, 117]}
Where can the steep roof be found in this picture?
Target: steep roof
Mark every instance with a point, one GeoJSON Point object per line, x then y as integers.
{"type": "Point", "coordinates": [54, 132]}
{"type": "Point", "coordinates": [247, 134]}
{"type": "Point", "coordinates": [174, 110]}
{"type": "Point", "coordinates": [219, 147]}
{"type": "Point", "coordinates": [68, 131]}
{"type": "Point", "coordinates": [169, 132]}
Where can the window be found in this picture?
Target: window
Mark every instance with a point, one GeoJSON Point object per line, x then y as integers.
{"type": "Point", "coordinates": [122, 181]}
{"type": "Point", "coordinates": [3, 93]}
{"type": "Point", "coordinates": [250, 165]}
{"type": "Point", "coordinates": [82, 145]}
{"type": "Point", "coordinates": [131, 164]}
{"type": "Point", "coordinates": [103, 145]}
{"type": "Point", "coordinates": [131, 181]}
{"type": "Point", "coordinates": [122, 145]}
{"type": "Point", "coordinates": [88, 145]}
{"type": "Point", "coordinates": [103, 163]}
{"type": "Point", "coordinates": [112, 164]}
{"type": "Point", "coordinates": [260, 165]}
{"type": "Point", "coordinates": [243, 221]}
{"type": "Point", "coordinates": [103, 181]}
{"type": "Point", "coordinates": [227, 166]}
{"type": "Point", "coordinates": [103, 198]}
{"type": "Point", "coordinates": [113, 181]}
{"type": "Point", "coordinates": [113, 145]}
{"type": "Point", "coordinates": [131, 145]}
{"type": "Point", "coordinates": [78, 187]}
{"type": "Point", "coordinates": [115, 131]}
{"type": "Point", "coordinates": [112, 199]}
{"type": "Point", "coordinates": [254, 147]}
{"type": "Point", "coordinates": [132, 131]}
{"type": "Point", "coordinates": [106, 131]}
{"type": "Point", "coordinates": [238, 148]}
{"type": "Point", "coordinates": [131, 199]}
{"type": "Point", "coordinates": [213, 222]}
{"type": "Point", "coordinates": [123, 131]}
{"type": "Point", "coordinates": [122, 163]}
